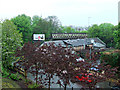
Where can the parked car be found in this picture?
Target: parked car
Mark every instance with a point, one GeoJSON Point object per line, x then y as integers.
{"type": "Point", "coordinates": [115, 88]}
{"type": "Point", "coordinates": [94, 69]}
{"type": "Point", "coordinates": [84, 77]}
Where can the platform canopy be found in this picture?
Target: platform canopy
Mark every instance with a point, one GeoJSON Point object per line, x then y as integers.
{"type": "Point", "coordinates": [61, 36]}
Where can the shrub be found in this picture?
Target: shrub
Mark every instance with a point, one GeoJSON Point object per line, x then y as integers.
{"type": "Point", "coordinates": [15, 76]}
{"type": "Point", "coordinates": [11, 39]}
{"type": "Point", "coordinates": [5, 74]}
{"type": "Point", "coordinates": [33, 86]}
{"type": "Point", "coordinates": [112, 59]}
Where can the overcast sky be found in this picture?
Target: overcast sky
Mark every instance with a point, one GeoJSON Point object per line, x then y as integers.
{"type": "Point", "coordinates": [69, 12]}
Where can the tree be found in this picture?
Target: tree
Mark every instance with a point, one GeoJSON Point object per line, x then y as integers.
{"type": "Point", "coordinates": [64, 61]}
{"type": "Point", "coordinates": [11, 39]}
{"type": "Point", "coordinates": [68, 29]}
{"type": "Point", "coordinates": [41, 27]}
{"type": "Point", "coordinates": [117, 36]}
{"type": "Point", "coordinates": [104, 32]}
{"type": "Point", "coordinates": [112, 59]}
{"type": "Point", "coordinates": [47, 26]}
{"type": "Point", "coordinates": [35, 20]}
{"type": "Point", "coordinates": [0, 40]}
{"type": "Point", "coordinates": [94, 31]}
{"type": "Point", "coordinates": [50, 60]}
{"type": "Point", "coordinates": [102, 71]}
{"type": "Point", "coordinates": [23, 24]}
{"type": "Point", "coordinates": [54, 24]}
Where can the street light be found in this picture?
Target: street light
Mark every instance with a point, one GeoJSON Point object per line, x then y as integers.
{"type": "Point", "coordinates": [89, 21]}
{"type": "Point", "coordinates": [92, 41]}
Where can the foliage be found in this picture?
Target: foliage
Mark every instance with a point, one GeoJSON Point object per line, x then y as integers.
{"type": "Point", "coordinates": [94, 31]}
{"type": "Point", "coordinates": [112, 59]}
{"type": "Point", "coordinates": [8, 83]}
{"type": "Point", "coordinates": [23, 24]}
{"type": "Point", "coordinates": [69, 29]}
{"type": "Point", "coordinates": [60, 62]}
{"type": "Point", "coordinates": [33, 86]}
{"type": "Point", "coordinates": [0, 41]}
{"type": "Point", "coordinates": [49, 25]}
{"type": "Point", "coordinates": [117, 36]}
{"type": "Point", "coordinates": [27, 56]}
{"type": "Point", "coordinates": [43, 58]}
{"type": "Point", "coordinates": [50, 60]}
{"type": "Point", "coordinates": [11, 39]}
{"type": "Point", "coordinates": [35, 20]}
{"type": "Point", "coordinates": [14, 77]}
{"type": "Point", "coordinates": [83, 32]}
{"type": "Point", "coordinates": [5, 73]}
{"type": "Point", "coordinates": [102, 73]}
{"type": "Point", "coordinates": [54, 24]}
{"type": "Point", "coordinates": [104, 32]}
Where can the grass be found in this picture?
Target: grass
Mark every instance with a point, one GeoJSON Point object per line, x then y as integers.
{"type": "Point", "coordinates": [11, 79]}
{"type": "Point", "coordinates": [8, 83]}
{"type": "Point", "coordinates": [111, 51]}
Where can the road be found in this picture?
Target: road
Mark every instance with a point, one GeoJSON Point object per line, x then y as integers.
{"type": "Point", "coordinates": [74, 85]}
{"type": "Point", "coordinates": [56, 78]}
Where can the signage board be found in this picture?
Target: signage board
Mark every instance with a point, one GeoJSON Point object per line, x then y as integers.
{"type": "Point", "coordinates": [38, 36]}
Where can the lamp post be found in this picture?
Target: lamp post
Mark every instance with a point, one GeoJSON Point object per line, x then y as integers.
{"type": "Point", "coordinates": [92, 41]}
{"type": "Point", "coordinates": [89, 21]}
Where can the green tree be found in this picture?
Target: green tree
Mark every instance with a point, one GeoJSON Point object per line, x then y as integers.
{"type": "Point", "coordinates": [23, 24]}
{"type": "Point", "coordinates": [54, 24]}
{"type": "Point", "coordinates": [67, 29]}
{"type": "Point", "coordinates": [41, 27]}
{"type": "Point", "coordinates": [11, 39]}
{"type": "Point", "coordinates": [47, 26]}
{"type": "Point", "coordinates": [117, 36]}
{"type": "Point", "coordinates": [0, 41]}
{"type": "Point", "coordinates": [35, 20]}
{"type": "Point", "coordinates": [104, 32]}
{"type": "Point", "coordinates": [112, 59]}
{"type": "Point", "coordinates": [94, 31]}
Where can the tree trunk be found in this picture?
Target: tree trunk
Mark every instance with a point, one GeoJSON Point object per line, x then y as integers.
{"type": "Point", "coordinates": [72, 88]}
{"type": "Point", "coordinates": [25, 74]}
{"type": "Point", "coordinates": [65, 86]}
{"type": "Point", "coordinates": [36, 74]}
{"type": "Point", "coordinates": [49, 83]}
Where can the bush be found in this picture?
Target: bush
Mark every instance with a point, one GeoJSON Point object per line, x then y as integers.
{"type": "Point", "coordinates": [15, 77]}
{"type": "Point", "coordinates": [5, 74]}
{"type": "Point", "coordinates": [11, 40]}
{"type": "Point", "coordinates": [33, 86]}
{"type": "Point", "coordinates": [112, 59]}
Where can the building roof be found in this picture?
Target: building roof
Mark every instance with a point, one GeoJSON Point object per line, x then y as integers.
{"type": "Point", "coordinates": [79, 42]}
{"type": "Point", "coordinates": [86, 41]}
{"type": "Point", "coordinates": [56, 43]}
{"type": "Point", "coordinates": [75, 42]}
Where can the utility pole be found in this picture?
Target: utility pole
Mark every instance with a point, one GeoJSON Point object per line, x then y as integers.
{"type": "Point", "coordinates": [89, 21]}
{"type": "Point", "coordinates": [118, 11]}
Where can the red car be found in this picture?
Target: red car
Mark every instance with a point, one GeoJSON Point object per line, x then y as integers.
{"type": "Point", "coordinates": [84, 77]}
